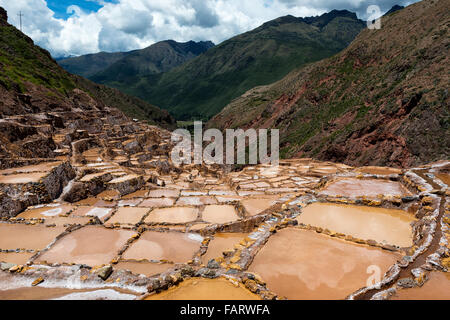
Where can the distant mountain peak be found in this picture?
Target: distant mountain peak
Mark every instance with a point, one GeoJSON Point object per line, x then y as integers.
{"type": "Point", "coordinates": [319, 21]}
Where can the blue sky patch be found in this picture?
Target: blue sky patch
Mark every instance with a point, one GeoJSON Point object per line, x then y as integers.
{"type": "Point", "coordinates": [60, 6]}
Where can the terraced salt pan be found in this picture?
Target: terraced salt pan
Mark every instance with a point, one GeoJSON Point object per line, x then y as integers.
{"type": "Point", "coordinates": [196, 201]}
{"type": "Point", "coordinates": [95, 202]}
{"type": "Point", "coordinates": [436, 288]}
{"type": "Point", "coordinates": [46, 212]}
{"type": "Point", "coordinates": [168, 193]}
{"type": "Point", "coordinates": [304, 265]}
{"type": "Point", "coordinates": [171, 246]}
{"type": "Point", "coordinates": [206, 289]}
{"type": "Point", "coordinates": [42, 293]}
{"type": "Point", "coordinates": [222, 242]}
{"type": "Point", "coordinates": [257, 205]}
{"type": "Point", "coordinates": [90, 245]}
{"type": "Point", "coordinates": [23, 178]}
{"type": "Point", "coordinates": [146, 268]}
{"type": "Point", "coordinates": [128, 215]}
{"type": "Point", "coordinates": [352, 187]}
{"type": "Point", "coordinates": [42, 167]}
{"type": "Point", "coordinates": [174, 215]}
{"type": "Point", "coordinates": [219, 214]}
{"type": "Point", "coordinates": [66, 221]}
{"type": "Point", "coordinates": [157, 202]}
{"type": "Point", "coordinates": [382, 225]}
{"type": "Point", "coordinates": [21, 236]}
{"type": "Point", "coordinates": [444, 177]}
{"type": "Point", "coordinates": [15, 258]}
{"type": "Point", "coordinates": [379, 170]}
{"type": "Point", "coordinates": [137, 194]}
{"type": "Point", "coordinates": [101, 213]}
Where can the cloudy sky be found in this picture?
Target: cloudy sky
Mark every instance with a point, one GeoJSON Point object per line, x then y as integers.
{"type": "Point", "coordinates": [76, 27]}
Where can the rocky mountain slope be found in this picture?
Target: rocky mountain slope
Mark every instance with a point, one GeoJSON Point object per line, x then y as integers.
{"type": "Point", "coordinates": [90, 64]}
{"type": "Point", "coordinates": [384, 100]}
{"type": "Point", "coordinates": [158, 58]}
{"type": "Point", "coordinates": [206, 84]}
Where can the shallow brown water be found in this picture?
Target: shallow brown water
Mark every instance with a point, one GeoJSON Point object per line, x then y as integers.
{"type": "Point", "coordinates": [219, 214]}
{"type": "Point", "coordinates": [444, 177]}
{"type": "Point", "coordinates": [392, 226]}
{"type": "Point", "coordinates": [23, 177]}
{"type": "Point", "coordinates": [15, 258]}
{"type": "Point", "coordinates": [256, 206]}
{"type": "Point", "coordinates": [42, 167]}
{"type": "Point", "coordinates": [171, 246]}
{"type": "Point", "coordinates": [146, 268]}
{"type": "Point", "coordinates": [15, 236]}
{"type": "Point", "coordinates": [351, 187]}
{"type": "Point", "coordinates": [128, 215]}
{"type": "Point", "coordinates": [90, 245]}
{"type": "Point", "coordinates": [379, 170]}
{"type": "Point", "coordinates": [46, 212]}
{"type": "Point", "coordinates": [436, 288]}
{"type": "Point", "coordinates": [304, 265]}
{"type": "Point", "coordinates": [221, 243]}
{"type": "Point", "coordinates": [173, 215]}
{"type": "Point", "coordinates": [205, 289]}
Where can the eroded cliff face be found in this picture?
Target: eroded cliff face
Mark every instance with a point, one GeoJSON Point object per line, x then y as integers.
{"type": "Point", "coordinates": [382, 101]}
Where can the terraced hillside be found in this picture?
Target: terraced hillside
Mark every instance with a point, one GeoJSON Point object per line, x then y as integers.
{"type": "Point", "coordinates": [382, 101]}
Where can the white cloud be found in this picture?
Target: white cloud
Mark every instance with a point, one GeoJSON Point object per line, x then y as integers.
{"type": "Point", "coordinates": [132, 24]}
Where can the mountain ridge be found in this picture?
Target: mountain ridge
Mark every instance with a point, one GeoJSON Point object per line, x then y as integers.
{"type": "Point", "coordinates": [159, 57]}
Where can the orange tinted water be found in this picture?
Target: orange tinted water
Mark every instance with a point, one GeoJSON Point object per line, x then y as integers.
{"type": "Point", "coordinates": [205, 289]}
{"type": "Point", "coordinates": [444, 177]}
{"type": "Point", "coordinates": [392, 226]}
{"type": "Point", "coordinates": [90, 245]}
{"type": "Point", "coordinates": [219, 214]}
{"type": "Point", "coordinates": [42, 167]}
{"type": "Point", "coordinates": [301, 264]}
{"type": "Point", "coordinates": [221, 243]}
{"type": "Point", "coordinates": [16, 258]}
{"type": "Point", "coordinates": [379, 170]}
{"type": "Point", "coordinates": [170, 246]}
{"type": "Point", "coordinates": [436, 288]}
{"type": "Point", "coordinates": [256, 206]}
{"type": "Point", "coordinates": [23, 177]}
